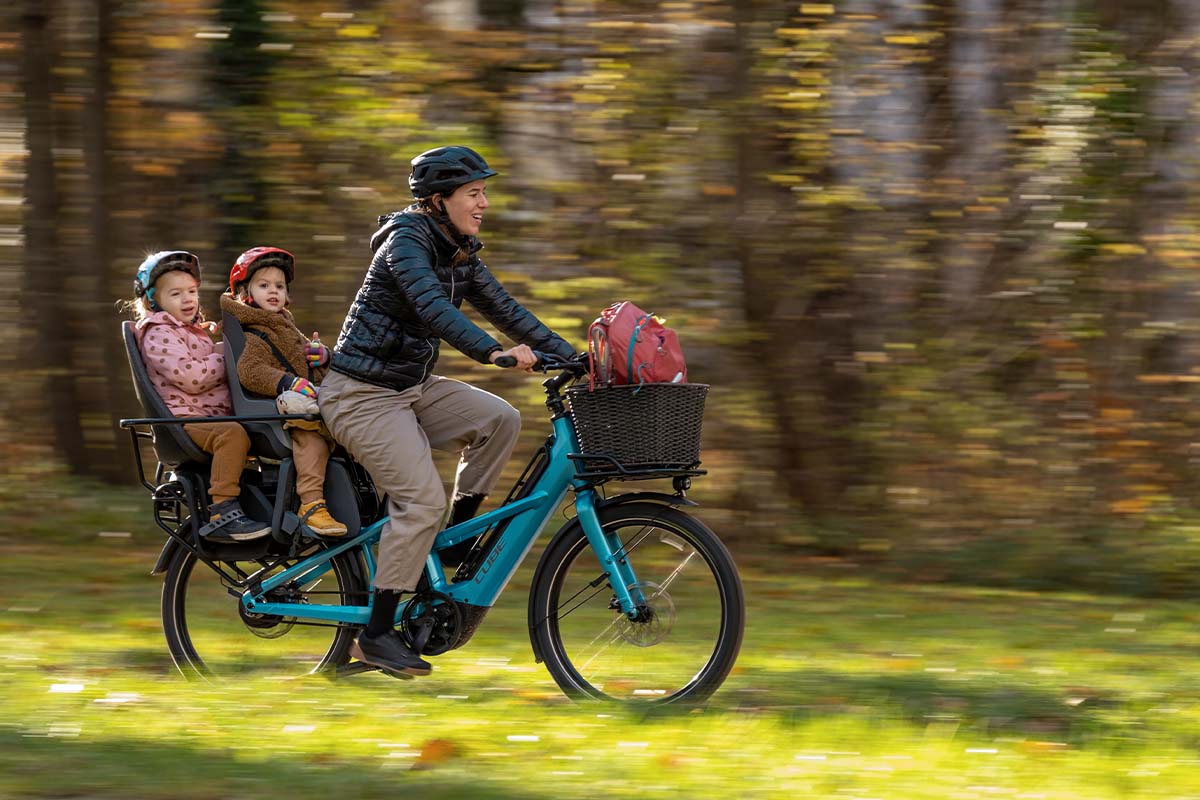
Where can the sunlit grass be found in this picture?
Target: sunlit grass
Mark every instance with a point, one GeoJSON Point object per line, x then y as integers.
{"type": "Point", "coordinates": [846, 687]}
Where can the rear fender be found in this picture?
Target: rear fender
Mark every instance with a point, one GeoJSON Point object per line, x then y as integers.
{"type": "Point", "coordinates": [164, 558]}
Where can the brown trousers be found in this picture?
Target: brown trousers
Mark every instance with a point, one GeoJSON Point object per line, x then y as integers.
{"type": "Point", "coordinates": [229, 446]}
{"type": "Point", "coordinates": [390, 433]}
{"type": "Point", "coordinates": [310, 451]}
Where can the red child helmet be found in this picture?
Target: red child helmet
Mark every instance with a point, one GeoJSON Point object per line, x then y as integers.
{"type": "Point", "coordinates": [257, 258]}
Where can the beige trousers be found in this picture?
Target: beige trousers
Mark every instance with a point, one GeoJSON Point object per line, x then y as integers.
{"type": "Point", "coordinates": [390, 433]}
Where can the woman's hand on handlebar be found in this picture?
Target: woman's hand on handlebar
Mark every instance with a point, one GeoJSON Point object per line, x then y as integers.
{"type": "Point", "coordinates": [525, 358]}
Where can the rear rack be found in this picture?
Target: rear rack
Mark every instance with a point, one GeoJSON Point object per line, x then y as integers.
{"type": "Point", "coordinates": [134, 434]}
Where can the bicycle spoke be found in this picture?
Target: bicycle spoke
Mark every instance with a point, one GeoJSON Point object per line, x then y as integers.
{"type": "Point", "coordinates": [662, 587]}
{"type": "Point", "coordinates": [659, 653]}
{"type": "Point", "coordinates": [211, 633]}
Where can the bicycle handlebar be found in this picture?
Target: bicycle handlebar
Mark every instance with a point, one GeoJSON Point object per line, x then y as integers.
{"type": "Point", "coordinates": [547, 362]}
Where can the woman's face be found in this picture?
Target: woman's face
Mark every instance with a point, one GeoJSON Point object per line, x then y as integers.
{"type": "Point", "coordinates": [466, 206]}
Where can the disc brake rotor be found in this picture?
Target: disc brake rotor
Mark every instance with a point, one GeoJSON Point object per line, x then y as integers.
{"type": "Point", "coordinates": [272, 626]}
{"type": "Point", "coordinates": [657, 622]}
{"type": "Point", "coordinates": [265, 626]}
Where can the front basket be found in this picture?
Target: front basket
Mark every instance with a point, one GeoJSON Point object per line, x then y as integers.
{"type": "Point", "coordinates": [638, 431]}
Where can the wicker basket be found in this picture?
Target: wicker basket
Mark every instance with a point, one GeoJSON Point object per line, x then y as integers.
{"type": "Point", "coordinates": [651, 427]}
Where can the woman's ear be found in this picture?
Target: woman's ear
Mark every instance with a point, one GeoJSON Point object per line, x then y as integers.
{"type": "Point", "coordinates": [437, 203]}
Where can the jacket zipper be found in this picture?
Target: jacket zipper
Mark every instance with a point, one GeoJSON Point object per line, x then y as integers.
{"type": "Point", "coordinates": [432, 348]}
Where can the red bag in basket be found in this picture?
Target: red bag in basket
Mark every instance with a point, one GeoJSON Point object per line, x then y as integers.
{"type": "Point", "coordinates": [627, 345]}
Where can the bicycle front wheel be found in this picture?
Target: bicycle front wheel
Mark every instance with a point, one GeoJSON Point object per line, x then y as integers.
{"type": "Point", "coordinates": [689, 632]}
{"type": "Point", "coordinates": [210, 634]}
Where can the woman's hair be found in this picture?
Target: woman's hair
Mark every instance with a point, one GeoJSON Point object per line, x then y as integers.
{"type": "Point", "coordinates": [424, 205]}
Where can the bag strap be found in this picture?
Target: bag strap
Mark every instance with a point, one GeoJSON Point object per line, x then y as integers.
{"type": "Point", "coordinates": [643, 322]}
{"type": "Point", "coordinates": [287, 367]}
{"type": "Point", "coordinates": [598, 348]}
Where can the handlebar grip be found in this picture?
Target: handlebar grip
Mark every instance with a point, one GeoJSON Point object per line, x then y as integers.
{"type": "Point", "coordinates": [505, 361]}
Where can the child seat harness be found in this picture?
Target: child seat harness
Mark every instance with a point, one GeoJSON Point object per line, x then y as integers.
{"type": "Point", "coordinates": [279, 356]}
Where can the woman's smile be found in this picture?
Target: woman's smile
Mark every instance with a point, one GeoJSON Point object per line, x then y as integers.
{"type": "Point", "coordinates": [466, 206]}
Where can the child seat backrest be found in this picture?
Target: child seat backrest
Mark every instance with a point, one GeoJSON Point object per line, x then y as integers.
{"type": "Point", "coordinates": [172, 446]}
{"type": "Point", "coordinates": [266, 438]}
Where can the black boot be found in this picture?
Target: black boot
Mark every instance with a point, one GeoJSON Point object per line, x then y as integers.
{"type": "Point", "coordinates": [464, 508]}
{"type": "Point", "coordinates": [380, 645]}
{"type": "Point", "coordinates": [390, 653]}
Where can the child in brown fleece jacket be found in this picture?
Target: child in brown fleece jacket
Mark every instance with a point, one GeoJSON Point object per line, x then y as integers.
{"type": "Point", "coordinates": [279, 361]}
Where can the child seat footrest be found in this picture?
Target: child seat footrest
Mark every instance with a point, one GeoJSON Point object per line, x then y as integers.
{"type": "Point", "coordinates": [212, 525]}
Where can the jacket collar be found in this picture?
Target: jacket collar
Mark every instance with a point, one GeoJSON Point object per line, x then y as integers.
{"type": "Point", "coordinates": [253, 315]}
{"type": "Point", "coordinates": [445, 244]}
{"type": "Point", "coordinates": [164, 318]}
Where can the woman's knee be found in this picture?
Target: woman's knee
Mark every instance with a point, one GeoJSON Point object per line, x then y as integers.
{"type": "Point", "coordinates": [507, 421]}
{"type": "Point", "coordinates": [427, 504]}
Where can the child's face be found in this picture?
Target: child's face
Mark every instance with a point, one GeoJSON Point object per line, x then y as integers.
{"type": "Point", "coordinates": [268, 288]}
{"type": "Point", "coordinates": [178, 294]}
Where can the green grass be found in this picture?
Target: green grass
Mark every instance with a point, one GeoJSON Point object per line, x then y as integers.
{"type": "Point", "coordinates": [846, 687]}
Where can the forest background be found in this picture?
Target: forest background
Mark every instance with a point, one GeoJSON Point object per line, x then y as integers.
{"type": "Point", "coordinates": [938, 260]}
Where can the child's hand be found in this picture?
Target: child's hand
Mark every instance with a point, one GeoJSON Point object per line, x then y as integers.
{"type": "Point", "coordinates": [316, 353]}
{"type": "Point", "coordinates": [304, 387]}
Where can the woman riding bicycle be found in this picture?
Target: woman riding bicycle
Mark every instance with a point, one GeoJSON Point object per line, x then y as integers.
{"type": "Point", "coordinates": [382, 400]}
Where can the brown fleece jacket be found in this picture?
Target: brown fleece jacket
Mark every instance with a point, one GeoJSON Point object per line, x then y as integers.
{"type": "Point", "coordinates": [258, 368]}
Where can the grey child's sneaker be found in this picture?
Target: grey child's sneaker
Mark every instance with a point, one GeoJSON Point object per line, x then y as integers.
{"type": "Point", "coordinates": [229, 523]}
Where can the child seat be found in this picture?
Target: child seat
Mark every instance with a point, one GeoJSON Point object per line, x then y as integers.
{"type": "Point", "coordinates": [267, 439]}
{"type": "Point", "coordinates": [349, 493]}
{"type": "Point", "coordinates": [266, 490]}
{"type": "Point", "coordinates": [172, 446]}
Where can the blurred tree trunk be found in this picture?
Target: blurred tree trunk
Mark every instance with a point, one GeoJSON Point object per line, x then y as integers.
{"type": "Point", "coordinates": [239, 82]}
{"type": "Point", "coordinates": [507, 13]}
{"type": "Point", "coordinates": [461, 15]}
{"type": "Point", "coordinates": [795, 389]}
{"type": "Point", "coordinates": [46, 271]}
{"type": "Point", "coordinates": [107, 441]}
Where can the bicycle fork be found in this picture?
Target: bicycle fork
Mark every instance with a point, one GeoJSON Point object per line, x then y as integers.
{"type": "Point", "coordinates": [611, 552]}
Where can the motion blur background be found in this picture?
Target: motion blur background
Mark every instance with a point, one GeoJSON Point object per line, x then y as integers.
{"type": "Point", "coordinates": [938, 260]}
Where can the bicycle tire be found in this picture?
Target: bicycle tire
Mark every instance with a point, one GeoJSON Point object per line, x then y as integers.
{"type": "Point", "coordinates": [214, 605]}
{"type": "Point", "coordinates": [622, 668]}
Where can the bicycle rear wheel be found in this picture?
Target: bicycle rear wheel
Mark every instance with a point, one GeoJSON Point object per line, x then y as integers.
{"type": "Point", "coordinates": [687, 640]}
{"type": "Point", "coordinates": [210, 635]}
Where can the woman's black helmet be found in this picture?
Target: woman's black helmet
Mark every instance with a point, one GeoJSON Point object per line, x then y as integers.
{"type": "Point", "coordinates": [444, 169]}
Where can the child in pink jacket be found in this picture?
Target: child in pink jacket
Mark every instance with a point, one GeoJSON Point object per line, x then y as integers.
{"type": "Point", "coordinates": [188, 370]}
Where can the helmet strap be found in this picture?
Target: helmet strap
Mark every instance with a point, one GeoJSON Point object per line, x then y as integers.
{"type": "Point", "coordinates": [442, 216]}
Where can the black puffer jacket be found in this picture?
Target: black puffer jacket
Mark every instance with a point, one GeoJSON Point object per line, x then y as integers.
{"type": "Point", "coordinates": [409, 302]}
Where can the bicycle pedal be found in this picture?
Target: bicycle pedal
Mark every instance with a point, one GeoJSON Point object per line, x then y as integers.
{"type": "Point", "coordinates": [353, 668]}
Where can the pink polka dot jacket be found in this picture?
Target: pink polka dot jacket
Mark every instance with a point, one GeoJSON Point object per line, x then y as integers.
{"type": "Point", "coordinates": [185, 365]}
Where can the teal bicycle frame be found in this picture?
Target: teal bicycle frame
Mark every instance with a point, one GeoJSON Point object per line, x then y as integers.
{"type": "Point", "coordinates": [527, 517]}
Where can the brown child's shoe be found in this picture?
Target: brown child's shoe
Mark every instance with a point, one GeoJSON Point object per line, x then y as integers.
{"type": "Point", "coordinates": [317, 517]}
